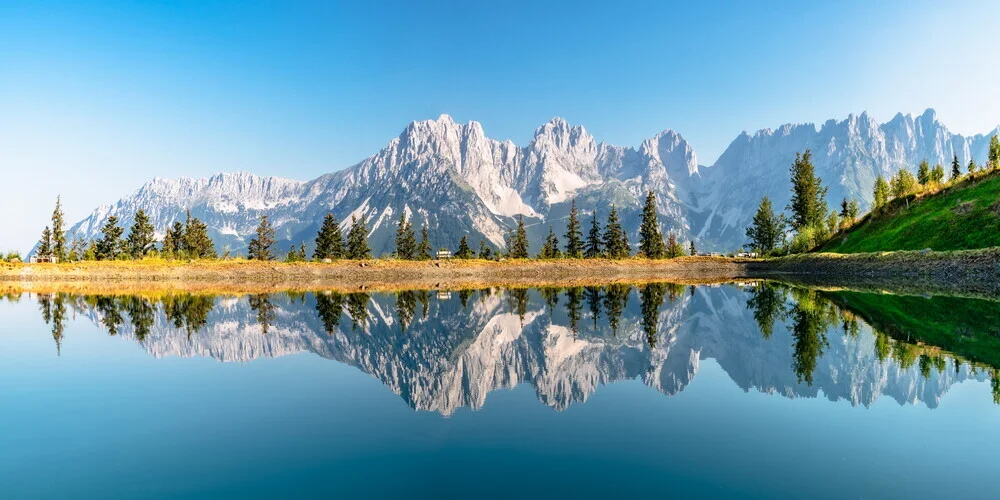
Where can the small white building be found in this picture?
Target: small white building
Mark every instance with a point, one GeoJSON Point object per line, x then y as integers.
{"type": "Point", "coordinates": [39, 259]}
{"type": "Point", "coordinates": [444, 254]}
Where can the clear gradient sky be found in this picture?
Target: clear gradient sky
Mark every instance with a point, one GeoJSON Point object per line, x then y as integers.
{"type": "Point", "coordinates": [96, 97]}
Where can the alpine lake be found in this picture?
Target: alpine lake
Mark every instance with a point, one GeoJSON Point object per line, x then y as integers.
{"type": "Point", "coordinates": [737, 390]}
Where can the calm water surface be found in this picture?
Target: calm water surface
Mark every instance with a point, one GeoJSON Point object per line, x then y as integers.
{"type": "Point", "coordinates": [743, 390]}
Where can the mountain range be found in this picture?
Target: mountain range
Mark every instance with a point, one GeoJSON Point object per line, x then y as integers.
{"type": "Point", "coordinates": [459, 182]}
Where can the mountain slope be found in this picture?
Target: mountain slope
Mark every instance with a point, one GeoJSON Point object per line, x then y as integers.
{"type": "Point", "coordinates": [961, 217]}
{"type": "Point", "coordinates": [459, 182]}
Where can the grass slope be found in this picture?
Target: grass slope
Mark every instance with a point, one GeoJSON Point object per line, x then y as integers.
{"type": "Point", "coordinates": [959, 217]}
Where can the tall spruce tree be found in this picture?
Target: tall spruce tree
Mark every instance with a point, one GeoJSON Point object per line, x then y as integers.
{"type": "Point", "coordinates": [615, 239]}
{"type": "Point", "coordinates": [956, 168]}
{"type": "Point", "coordinates": [574, 238]}
{"type": "Point", "coordinates": [357, 240]}
{"type": "Point", "coordinates": [329, 240]}
{"type": "Point", "coordinates": [424, 247]}
{"type": "Point", "coordinates": [924, 173]}
{"type": "Point", "coordinates": [768, 228]}
{"type": "Point", "coordinates": [993, 158]}
{"type": "Point", "coordinates": [59, 249]}
{"type": "Point", "coordinates": [464, 251]}
{"type": "Point", "coordinates": [140, 237]}
{"type": "Point", "coordinates": [593, 250]}
{"type": "Point", "coordinates": [881, 193]}
{"type": "Point", "coordinates": [937, 174]}
{"type": "Point", "coordinates": [168, 247]}
{"type": "Point", "coordinates": [109, 246]}
{"type": "Point", "coordinates": [519, 242]}
{"type": "Point", "coordinates": [550, 249]}
{"type": "Point", "coordinates": [178, 236]}
{"type": "Point", "coordinates": [45, 244]}
{"type": "Point", "coordinates": [650, 238]}
{"type": "Point", "coordinates": [260, 247]}
{"type": "Point", "coordinates": [808, 203]}
{"type": "Point", "coordinates": [853, 211]}
{"type": "Point", "coordinates": [972, 168]}
{"type": "Point", "coordinates": [903, 183]}
{"type": "Point", "coordinates": [406, 241]}
{"type": "Point", "coordinates": [197, 243]}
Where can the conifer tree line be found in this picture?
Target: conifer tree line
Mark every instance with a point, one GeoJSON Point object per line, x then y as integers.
{"type": "Point", "coordinates": [190, 240]}
{"type": "Point", "coordinates": [183, 240]}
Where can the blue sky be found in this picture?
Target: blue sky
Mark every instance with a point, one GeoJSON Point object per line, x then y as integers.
{"type": "Point", "coordinates": [96, 97]}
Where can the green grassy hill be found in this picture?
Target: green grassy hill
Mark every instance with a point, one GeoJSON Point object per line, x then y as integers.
{"type": "Point", "coordinates": [963, 216]}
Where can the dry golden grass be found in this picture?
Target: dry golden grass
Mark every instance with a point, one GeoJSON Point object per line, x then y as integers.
{"type": "Point", "coordinates": [240, 276]}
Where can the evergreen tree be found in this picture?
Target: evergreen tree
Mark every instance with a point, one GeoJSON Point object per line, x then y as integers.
{"type": "Point", "coordinates": [956, 168]}
{"type": "Point", "coordinates": [406, 242]}
{"type": "Point", "coordinates": [768, 228]}
{"type": "Point", "coordinates": [615, 239]}
{"type": "Point", "coordinates": [424, 248]}
{"type": "Point", "coordinates": [937, 175]}
{"type": "Point", "coordinates": [302, 252]}
{"type": "Point", "coordinates": [692, 250]}
{"type": "Point", "coordinates": [574, 238]}
{"type": "Point", "coordinates": [550, 250]}
{"type": "Point", "coordinates": [832, 221]}
{"type": "Point", "coordinates": [329, 240]}
{"type": "Point", "coordinates": [924, 173]}
{"type": "Point", "coordinates": [109, 246]}
{"type": "Point", "coordinates": [972, 166]}
{"type": "Point", "coordinates": [292, 255]}
{"type": "Point", "coordinates": [90, 253]}
{"type": "Point", "coordinates": [993, 159]}
{"type": "Point", "coordinates": [463, 252]}
{"type": "Point", "coordinates": [260, 246]}
{"type": "Point", "coordinates": [844, 206]}
{"type": "Point", "coordinates": [485, 252]}
{"type": "Point", "coordinates": [808, 203]}
{"type": "Point", "coordinates": [197, 243]}
{"type": "Point", "coordinates": [357, 240]}
{"type": "Point", "coordinates": [673, 248]}
{"type": "Point", "coordinates": [77, 249]}
{"type": "Point", "coordinates": [45, 243]}
{"type": "Point", "coordinates": [853, 210]}
{"type": "Point", "coordinates": [593, 250]}
{"type": "Point", "coordinates": [140, 238]}
{"type": "Point", "coordinates": [175, 234]}
{"type": "Point", "coordinates": [650, 238]}
{"type": "Point", "coordinates": [519, 243]}
{"type": "Point", "coordinates": [881, 193]}
{"type": "Point", "coordinates": [169, 247]}
{"type": "Point", "coordinates": [58, 232]}
{"type": "Point", "coordinates": [903, 183]}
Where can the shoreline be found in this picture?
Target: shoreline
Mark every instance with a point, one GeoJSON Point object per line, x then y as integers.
{"type": "Point", "coordinates": [371, 275]}
{"type": "Point", "coordinates": [968, 271]}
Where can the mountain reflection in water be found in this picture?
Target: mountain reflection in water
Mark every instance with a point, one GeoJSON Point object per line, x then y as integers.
{"type": "Point", "coordinates": [441, 351]}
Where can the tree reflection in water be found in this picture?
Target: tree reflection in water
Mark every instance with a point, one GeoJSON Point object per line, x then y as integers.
{"type": "Point", "coordinates": [911, 334]}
